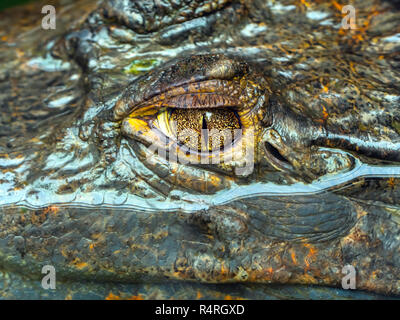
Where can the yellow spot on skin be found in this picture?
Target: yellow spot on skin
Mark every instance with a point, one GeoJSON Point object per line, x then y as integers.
{"type": "Point", "coordinates": [304, 2]}
{"type": "Point", "coordinates": [199, 295]}
{"type": "Point", "coordinates": [140, 66]}
{"type": "Point", "coordinates": [79, 264]}
{"type": "Point", "coordinates": [96, 235]}
{"type": "Point", "coordinates": [34, 140]}
{"type": "Point", "coordinates": [307, 279]}
{"type": "Point", "coordinates": [138, 125]}
{"type": "Point", "coordinates": [352, 66]}
{"type": "Point", "coordinates": [145, 111]}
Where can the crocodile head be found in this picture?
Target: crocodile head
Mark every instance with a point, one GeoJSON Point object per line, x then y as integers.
{"type": "Point", "coordinates": [201, 142]}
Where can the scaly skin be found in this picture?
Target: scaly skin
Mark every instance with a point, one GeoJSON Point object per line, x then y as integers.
{"type": "Point", "coordinates": [78, 191]}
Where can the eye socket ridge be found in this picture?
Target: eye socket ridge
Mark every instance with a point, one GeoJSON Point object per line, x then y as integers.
{"type": "Point", "coordinates": [204, 100]}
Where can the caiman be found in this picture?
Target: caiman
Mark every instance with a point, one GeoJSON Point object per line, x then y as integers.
{"type": "Point", "coordinates": [98, 181]}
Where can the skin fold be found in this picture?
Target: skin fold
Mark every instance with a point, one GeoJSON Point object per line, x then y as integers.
{"type": "Point", "coordinates": [311, 184]}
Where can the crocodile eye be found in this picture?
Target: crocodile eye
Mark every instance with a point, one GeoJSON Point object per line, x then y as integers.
{"type": "Point", "coordinates": [196, 119]}
{"type": "Point", "coordinates": [199, 129]}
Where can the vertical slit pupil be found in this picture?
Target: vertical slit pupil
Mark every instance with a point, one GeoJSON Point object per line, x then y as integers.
{"type": "Point", "coordinates": [204, 124]}
{"type": "Point", "coordinates": [204, 128]}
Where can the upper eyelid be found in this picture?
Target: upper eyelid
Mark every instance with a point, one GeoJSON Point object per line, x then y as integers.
{"type": "Point", "coordinates": [201, 101]}
{"type": "Point", "coordinates": [197, 81]}
{"type": "Point", "coordinates": [159, 98]}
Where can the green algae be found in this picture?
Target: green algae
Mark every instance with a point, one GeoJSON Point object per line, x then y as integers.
{"type": "Point", "coordinates": [137, 67]}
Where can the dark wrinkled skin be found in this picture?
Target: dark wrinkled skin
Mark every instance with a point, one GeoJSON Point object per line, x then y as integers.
{"type": "Point", "coordinates": [77, 192]}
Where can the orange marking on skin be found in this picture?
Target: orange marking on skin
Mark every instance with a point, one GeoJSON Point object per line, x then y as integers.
{"type": "Point", "coordinates": [283, 49]}
{"type": "Point", "coordinates": [138, 297]}
{"type": "Point", "coordinates": [313, 251]}
{"type": "Point", "coordinates": [51, 209]}
{"type": "Point", "coordinates": [224, 270]}
{"type": "Point", "coordinates": [310, 256]}
{"type": "Point", "coordinates": [337, 5]}
{"type": "Point", "coordinates": [361, 31]}
{"type": "Point", "coordinates": [352, 66]}
{"type": "Point", "coordinates": [199, 295]}
{"type": "Point", "coordinates": [358, 37]}
{"type": "Point", "coordinates": [112, 296]}
{"type": "Point", "coordinates": [293, 255]}
{"type": "Point", "coordinates": [229, 297]}
{"type": "Point", "coordinates": [391, 182]}
{"type": "Point", "coordinates": [325, 113]}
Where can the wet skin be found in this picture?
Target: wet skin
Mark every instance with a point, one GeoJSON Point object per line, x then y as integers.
{"type": "Point", "coordinates": [83, 105]}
